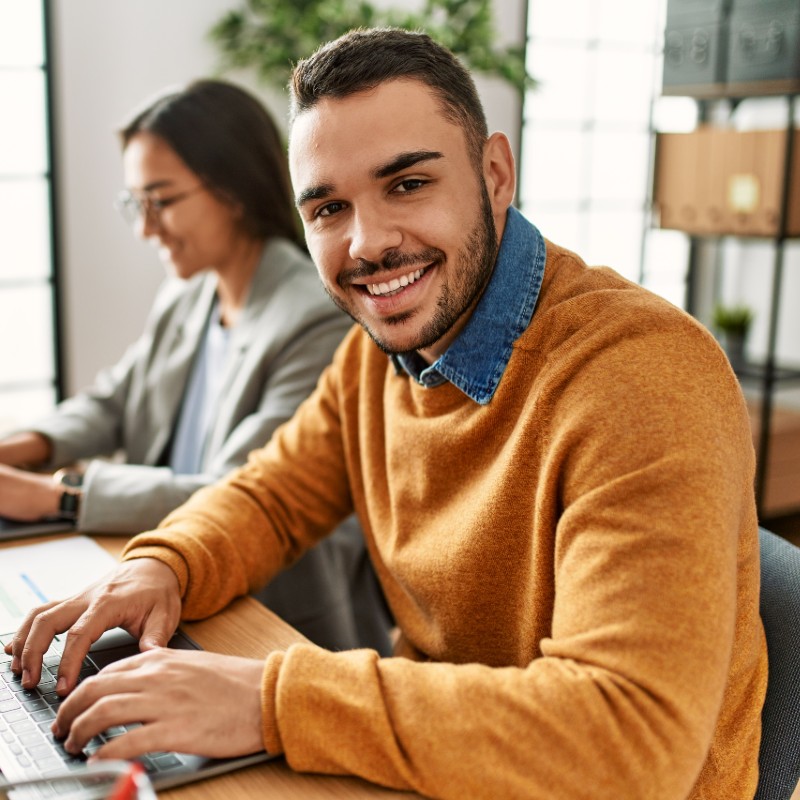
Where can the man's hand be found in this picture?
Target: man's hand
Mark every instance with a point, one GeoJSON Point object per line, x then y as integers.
{"type": "Point", "coordinates": [192, 702]}
{"type": "Point", "coordinates": [27, 495]}
{"type": "Point", "coordinates": [142, 596]}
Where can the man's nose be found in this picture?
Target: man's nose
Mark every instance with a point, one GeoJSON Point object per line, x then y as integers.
{"type": "Point", "coordinates": [372, 235]}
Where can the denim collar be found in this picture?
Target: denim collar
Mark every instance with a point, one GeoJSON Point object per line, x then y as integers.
{"type": "Point", "coordinates": [476, 360]}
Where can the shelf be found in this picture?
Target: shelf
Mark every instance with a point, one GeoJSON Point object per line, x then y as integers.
{"type": "Point", "coordinates": [760, 237]}
{"type": "Point", "coordinates": [781, 489]}
{"type": "Point", "coordinates": [754, 371]}
{"type": "Point", "coordinates": [718, 183]}
{"type": "Point", "coordinates": [734, 91]}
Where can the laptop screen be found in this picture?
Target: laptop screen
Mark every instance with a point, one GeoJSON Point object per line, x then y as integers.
{"type": "Point", "coordinates": [14, 529]}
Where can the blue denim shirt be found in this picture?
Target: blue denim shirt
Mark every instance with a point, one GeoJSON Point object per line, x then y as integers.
{"type": "Point", "coordinates": [476, 360]}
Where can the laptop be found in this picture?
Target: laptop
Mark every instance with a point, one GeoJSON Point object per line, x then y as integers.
{"type": "Point", "coordinates": [28, 749]}
{"type": "Point", "coordinates": [14, 529]}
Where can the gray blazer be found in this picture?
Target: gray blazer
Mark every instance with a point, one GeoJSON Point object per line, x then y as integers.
{"type": "Point", "coordinates": [285, 337]}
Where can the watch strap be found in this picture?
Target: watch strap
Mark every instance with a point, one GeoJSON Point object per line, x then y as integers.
{"type": "Point", "coordinates": [70, 500]}
{"type": "Point", "coordinates": [69, 504]}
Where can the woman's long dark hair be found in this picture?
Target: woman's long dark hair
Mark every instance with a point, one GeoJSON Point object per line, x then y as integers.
{"type": "Point", "coordinates": [229, 140]}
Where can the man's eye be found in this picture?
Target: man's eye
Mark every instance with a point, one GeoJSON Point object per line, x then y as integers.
{"type": "Point", "coordinates": [329, 209]}
{"type": "Point", "coordinates": [409, 185]}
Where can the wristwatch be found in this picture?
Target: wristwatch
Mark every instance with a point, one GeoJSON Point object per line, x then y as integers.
{"type": "Point", "coordinates": [70, 501]}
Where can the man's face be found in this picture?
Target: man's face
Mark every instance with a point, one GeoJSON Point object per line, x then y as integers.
{"type": "Point", "coordinates": [397, 220]}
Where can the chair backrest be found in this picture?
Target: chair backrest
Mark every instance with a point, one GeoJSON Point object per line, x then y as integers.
{"type": "Point", "coordinates": [779, 756]}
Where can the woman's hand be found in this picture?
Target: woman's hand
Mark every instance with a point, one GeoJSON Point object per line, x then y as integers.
{"type": "Point", "coordinates": [189, 701]}
{"type": "Point", "coordinates": [142, 596]}
{"type": "Point", "coordinates": [26, 449]}
{"type": "Point", "coordinates": [27, 496]}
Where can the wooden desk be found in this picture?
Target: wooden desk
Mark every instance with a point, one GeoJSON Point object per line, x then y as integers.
{"type": "Point", "coordinates": [246, 628]}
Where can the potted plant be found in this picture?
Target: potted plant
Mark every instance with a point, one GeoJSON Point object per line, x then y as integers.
{"type": "Point", "coordinates": [733, 324]}
{"type": "Point", "coordinates": [273, 35]}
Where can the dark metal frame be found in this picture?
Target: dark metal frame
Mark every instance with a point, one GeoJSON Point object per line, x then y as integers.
{"type": "Point", "coordinates": [59, 358]}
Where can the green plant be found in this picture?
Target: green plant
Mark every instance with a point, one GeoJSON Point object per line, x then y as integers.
{"type": "Point", "coordinates": [732, 319]}
{"type": "Point", "coordinates": [273, 35]}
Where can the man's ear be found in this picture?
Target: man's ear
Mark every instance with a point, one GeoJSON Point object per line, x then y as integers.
{"type": "Point", "coordinates": [499, 172]}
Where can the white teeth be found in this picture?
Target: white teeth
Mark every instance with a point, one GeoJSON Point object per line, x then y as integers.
{"type": "Point", "coordinates": [394, 284]}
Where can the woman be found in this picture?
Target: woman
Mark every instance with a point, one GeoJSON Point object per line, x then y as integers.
{"type": "Point", "coordinates": [228, 353]}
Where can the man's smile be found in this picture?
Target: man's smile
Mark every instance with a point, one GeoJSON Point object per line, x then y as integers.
{"type": "Point", "coordinates": [395, 284]}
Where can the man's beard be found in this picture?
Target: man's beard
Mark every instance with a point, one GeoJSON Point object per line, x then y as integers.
{"type": "Point", "coordinates": [473, 268]}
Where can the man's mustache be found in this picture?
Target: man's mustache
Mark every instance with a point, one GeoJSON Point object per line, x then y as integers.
{"type": "Point", "coordinates": [391, 261]}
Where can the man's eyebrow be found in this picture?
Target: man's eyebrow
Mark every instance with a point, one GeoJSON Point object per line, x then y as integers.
{"type": "Point", "coordinates": [404, 161]}
{"type": "Point", "coordinates": [313, 193]}
{"type": "Point", "coordinates": [396, 164]}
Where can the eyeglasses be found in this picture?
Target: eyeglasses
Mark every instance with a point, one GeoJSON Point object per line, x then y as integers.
{"type": "Point", "coordinates": [141, 206]}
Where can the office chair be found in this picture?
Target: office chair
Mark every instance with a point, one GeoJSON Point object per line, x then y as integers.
{"type": "Point", "coordinates": [779, 755]}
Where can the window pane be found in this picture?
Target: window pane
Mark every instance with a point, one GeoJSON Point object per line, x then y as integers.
{"type": "Point", "coordinates": [615, 240]}
{"type": "Point", "coordinates": [26, 333]}
{"type": "Point", "coordinates": [18, 409]}
{"type": "Point", "coordinates": [564, 80]}
{"type": "Point", "coordinates": [563, 229]}
{"type": "Point", "coordinates": [552, 165]}
{"type": "Point", "coordinates": [673, 291]}
{"type": "Point", "coordinates": [21, 39]}
{"type": "Point", "coordinates": [675, 114]}
{"type": "Point", "coordinates": [23, 148]}
{"type": "Point", "coordinates": [27, 361]}
{"type": "Point", "coordinates": [559, 20]}
{"type": "Point", "coordinates": [587, 139]}
{"type": "Point", "coordinates": [619, 165]}
{"type": "Point", "coordinates": [623, 87]}
{"type": "Point", "coordinates": [665, 257]}
{"type": "Point", "coordinates": [24, 227]}
{"type": "Point", "coordinates": [632, 21]}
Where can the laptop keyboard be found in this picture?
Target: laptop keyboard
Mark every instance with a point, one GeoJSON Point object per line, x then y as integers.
{"type": "Point", "coordinates": [27, 747]}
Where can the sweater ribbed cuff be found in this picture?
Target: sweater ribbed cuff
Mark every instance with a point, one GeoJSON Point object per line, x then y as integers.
{"type": "Point", "coordinates": [164, 554]}
{"type": "Point", "coordinates": [269, 703]}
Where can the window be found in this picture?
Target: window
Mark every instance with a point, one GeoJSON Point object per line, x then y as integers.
{"type": "Point", "coordinates": [587, 137]}
{"type": "Point", "coordinates": [29, 378]}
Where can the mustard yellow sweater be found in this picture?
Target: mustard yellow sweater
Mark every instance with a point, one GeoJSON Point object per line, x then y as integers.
{"type": "Point", "coordinates": [573, 567]}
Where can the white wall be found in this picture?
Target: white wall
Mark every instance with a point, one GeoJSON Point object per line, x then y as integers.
{"type": "Point", "coordinates": [110, 56]}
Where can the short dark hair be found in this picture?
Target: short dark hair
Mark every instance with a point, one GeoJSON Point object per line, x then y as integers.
{"type": "Point", "coordinates": [230, 141]}
{"type": "Point", "coordinates": [367, 57]}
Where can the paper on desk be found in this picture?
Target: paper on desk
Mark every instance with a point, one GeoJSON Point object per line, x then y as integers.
{"type": "Point", "coordinates": [33, 574]}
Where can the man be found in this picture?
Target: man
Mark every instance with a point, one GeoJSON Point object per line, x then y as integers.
{"type": "Point", "coordinates": [552, 467]}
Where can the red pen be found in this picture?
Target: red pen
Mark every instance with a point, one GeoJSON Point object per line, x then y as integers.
{"type": "Point", "coordinates": [126, 786]}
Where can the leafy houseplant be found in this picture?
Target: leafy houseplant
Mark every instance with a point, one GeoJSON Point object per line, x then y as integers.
{"type": "Point", "coordinates": [273, 35]}
{"type": "Point", "coordinates": [733, 324]}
